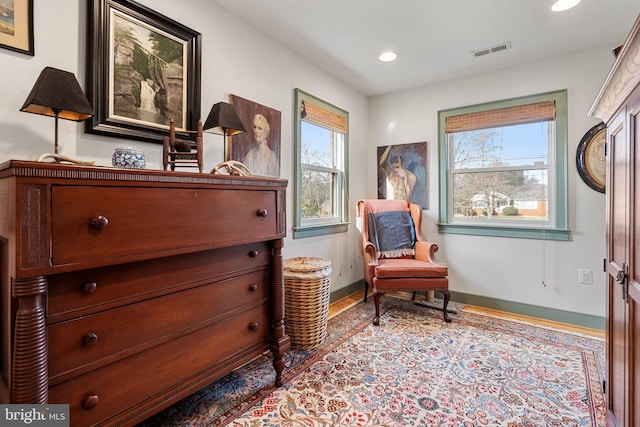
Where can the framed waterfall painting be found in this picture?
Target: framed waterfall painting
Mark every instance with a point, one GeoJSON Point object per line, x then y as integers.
{"type": "Point", "coordinates": [143, 72]}
{"type": "Point", "coordinates": [16, 25]}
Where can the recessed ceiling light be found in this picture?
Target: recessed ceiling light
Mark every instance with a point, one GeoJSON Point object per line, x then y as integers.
{"type": "Point", "coordinates": [387, 56]}
{"type": "Point", "coordinates": [562, 5]}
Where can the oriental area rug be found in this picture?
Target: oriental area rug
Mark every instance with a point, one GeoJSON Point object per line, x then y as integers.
{"type": "Point", "coordinates": [413, 370]}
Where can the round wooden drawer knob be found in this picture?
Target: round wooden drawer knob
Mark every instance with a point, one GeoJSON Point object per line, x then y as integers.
{"type": "Point", "coordinates": [90, 402]}
{"type": "Point", "coordinates": [254, 253]}
{"type": "Point", "coordinates": [90, 340]}
{"type": "Point", "coordinates": [253, 287]}
{"type": "Point", "coordinates": [262, 212]}
{"type": "Point", "coordinates": [89, 288]}
{"type": "Point", "coordinates": [254, 326]}
{"type": "Point", "coordinates": [100, 222]}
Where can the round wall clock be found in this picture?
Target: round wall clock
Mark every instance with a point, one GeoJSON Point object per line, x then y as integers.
{"type": "Point", "coordinates": [590, 158]}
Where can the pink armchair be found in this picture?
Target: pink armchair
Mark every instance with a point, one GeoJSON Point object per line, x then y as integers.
{"type": "Point", "coordinates": [395, 255]}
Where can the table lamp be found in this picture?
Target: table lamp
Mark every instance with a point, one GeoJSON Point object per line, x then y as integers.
{"type": "Point", "coordinates": [57, 93]}
{"type": "Point", "coordinates": [223, 120]}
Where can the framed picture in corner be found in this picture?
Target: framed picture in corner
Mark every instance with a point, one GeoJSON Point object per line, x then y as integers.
{"type": "Point", "coordinates": [143, 71]}
{"type": "Point", "coordinates": [16, 25]}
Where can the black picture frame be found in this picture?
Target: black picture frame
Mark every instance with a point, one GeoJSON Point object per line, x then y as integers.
{"type": "Point", "coordinates": [590, 157]}
{"type": "Point", "coordinates": [16, 33]}
{"type": "Point", "coordinates": [116, 76]}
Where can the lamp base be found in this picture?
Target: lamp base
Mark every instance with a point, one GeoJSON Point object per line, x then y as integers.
{"type": "Point", "coordinates": [60, 158]}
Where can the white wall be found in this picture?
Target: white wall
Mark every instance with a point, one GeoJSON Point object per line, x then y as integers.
{"type": "Point", "coordinates": [235, 60]}
{"type": "Point", "coordinates": [507, 268]}
{"type": "Point", "coordinates": [238, 60]}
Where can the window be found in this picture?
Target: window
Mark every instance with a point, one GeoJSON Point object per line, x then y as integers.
{"type": "Point", "coordinates": [321, 147]}
{"type": "Point", "coordinates": [503, 168]}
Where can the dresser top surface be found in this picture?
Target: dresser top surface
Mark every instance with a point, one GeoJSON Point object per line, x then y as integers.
{"type": "Point", "coordinates": [32, 169]}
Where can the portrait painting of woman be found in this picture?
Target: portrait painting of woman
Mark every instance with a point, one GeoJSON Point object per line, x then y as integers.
{"type": "Point", "coordinates": [259, 147]}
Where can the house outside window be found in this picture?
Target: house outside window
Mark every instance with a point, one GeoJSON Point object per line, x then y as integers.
{"type": "Point", "coordinates": [503, 168]}
{"type": "Point", "coordinates": [322, 133]}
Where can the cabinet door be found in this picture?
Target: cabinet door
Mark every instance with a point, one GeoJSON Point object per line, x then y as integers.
{"type": "Point", "coordinates": [617, 228]}
{"type": "Point", "coordinates": [634, 275]}
{"type": "Point", "coordinates": [623, 318]}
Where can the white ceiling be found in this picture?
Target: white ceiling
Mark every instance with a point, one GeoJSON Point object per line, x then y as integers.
{"type": "Point", "coordinates": [433, 39]}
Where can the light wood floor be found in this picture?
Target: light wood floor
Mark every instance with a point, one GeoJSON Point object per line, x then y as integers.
{"type": "Point", "coordinates": [355, 298]}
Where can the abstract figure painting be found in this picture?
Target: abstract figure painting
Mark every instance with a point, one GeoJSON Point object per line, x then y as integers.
{"type": "Point", "coordinates": [402, 172]}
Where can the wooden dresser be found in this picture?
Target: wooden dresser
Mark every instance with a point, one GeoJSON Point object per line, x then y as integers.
{"type": "Point", "coordinates": [124, 291]}
{"type": "Point", "coordinates": [618, 105]}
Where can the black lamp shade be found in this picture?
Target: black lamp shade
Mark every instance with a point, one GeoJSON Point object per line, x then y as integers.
{"type": "Point", "coordinates": [223, 120]}
{"type": "Point", "coordinates": [57, 92]}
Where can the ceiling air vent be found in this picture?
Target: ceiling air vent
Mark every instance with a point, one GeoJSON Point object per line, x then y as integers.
{"type": "Point", "coordinates": [490, 50]}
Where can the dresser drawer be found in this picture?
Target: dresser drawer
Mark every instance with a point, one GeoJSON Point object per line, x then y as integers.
{"type": "Point", "coordinates": [92, 341]}
{"type": "Point", "coordinates": [94, 223]}
{"type": "Point", "coordinates": [127, 383]}
{"type": "Point", "coordinates": [88, 291]}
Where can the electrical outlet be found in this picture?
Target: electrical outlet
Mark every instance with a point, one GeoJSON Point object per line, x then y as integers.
{"type": "Point", "coordinates": [585, 277]}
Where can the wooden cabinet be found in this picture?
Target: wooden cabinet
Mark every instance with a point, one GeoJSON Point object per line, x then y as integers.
{"type": "Point", "coordinates": [123, 291]}
{"type": "Point", "coordinates": [618, 104]}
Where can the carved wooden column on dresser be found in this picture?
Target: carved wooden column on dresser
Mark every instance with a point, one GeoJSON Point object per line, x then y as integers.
{"type": "Point", "coordinates": [123, 291]}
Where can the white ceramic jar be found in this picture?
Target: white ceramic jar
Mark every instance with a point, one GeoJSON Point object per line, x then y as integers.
{"type": "Point", "coordinates": [128, 157]}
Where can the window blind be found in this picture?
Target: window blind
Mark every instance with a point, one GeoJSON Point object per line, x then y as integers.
{"type": "Point", "coordinates": [322, 117]}
{"type": "Point", "coordinates": [521, 114]}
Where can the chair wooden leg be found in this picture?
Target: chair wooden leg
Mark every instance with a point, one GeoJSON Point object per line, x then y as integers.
{"type": "Point", "coordinates": [376, 300]}
{"type": "Point", "coordinates": [413, 297]}
{"type": "Point", "coordinates": [447, 297]}
{"type": "Point", "coordinates": [366, 290]}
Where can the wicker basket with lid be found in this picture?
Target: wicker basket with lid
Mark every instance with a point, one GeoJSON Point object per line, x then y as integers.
{"type": "Point", "coordinates": [307, 281]}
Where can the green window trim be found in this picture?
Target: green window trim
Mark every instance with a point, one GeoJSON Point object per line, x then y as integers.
{"type": "Point", "coordinates": [518, 232]}
{"type": "Point", "coordinates": [561, 230]}
{"type": "Point", "coordinates": [318, 228]}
